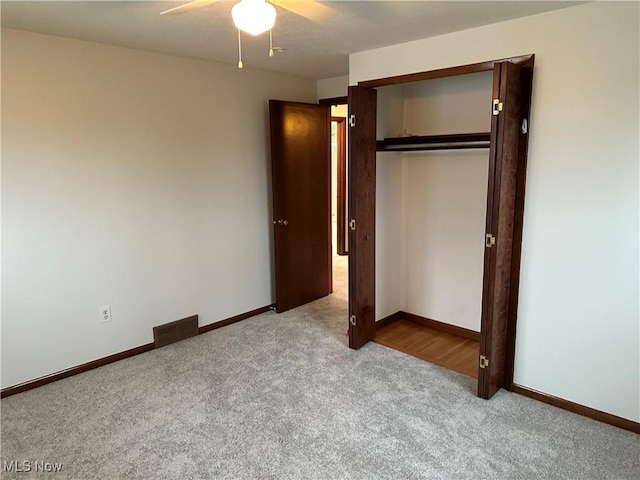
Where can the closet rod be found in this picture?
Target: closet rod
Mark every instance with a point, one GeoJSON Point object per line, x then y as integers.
{"type": "Point", "coordinates": [435, 146]}
{"type": "Point", "coordinates": [435, 142]}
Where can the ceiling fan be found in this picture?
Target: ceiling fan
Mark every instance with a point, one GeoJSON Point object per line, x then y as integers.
{"type": "Point", "coordinates": [258, 16]}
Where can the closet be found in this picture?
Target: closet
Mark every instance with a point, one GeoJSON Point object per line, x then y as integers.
{"type": "Point", "coordinates": [443, 154]}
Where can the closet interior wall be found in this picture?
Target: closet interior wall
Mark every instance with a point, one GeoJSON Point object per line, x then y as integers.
{"type": "Point", "coordinates": [431, 205]}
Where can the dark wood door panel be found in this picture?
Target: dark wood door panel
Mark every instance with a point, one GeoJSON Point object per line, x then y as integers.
{"type": "Point", "coordinates": [301, 173]}
{"type": "Point", "coordinates": [362, 210]}
{"type": "Point", "coordinates": [500, 224]}
{"type": "Point", "coordinates": [516, 253]}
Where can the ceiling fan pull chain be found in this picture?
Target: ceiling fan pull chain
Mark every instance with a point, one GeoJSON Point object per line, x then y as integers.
{"type": "Point", "coordinates": [270, 43]}
{"type": "Point", "coordinates": [240, 65]}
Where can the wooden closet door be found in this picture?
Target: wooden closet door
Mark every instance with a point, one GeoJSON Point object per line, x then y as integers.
{"type": "Point", "coordinates": [503, 165]}
{"type": "Point", "coordinates": [362, 215]}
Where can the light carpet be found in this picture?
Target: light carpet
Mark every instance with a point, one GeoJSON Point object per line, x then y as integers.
{"type": "Point", "coordinates": [282, 397]}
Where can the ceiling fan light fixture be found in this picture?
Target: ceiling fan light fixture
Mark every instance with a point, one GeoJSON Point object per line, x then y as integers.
{"type": "Point", "coordinates": [254, 16]}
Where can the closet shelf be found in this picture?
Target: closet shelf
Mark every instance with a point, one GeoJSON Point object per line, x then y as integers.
{"type": "Point", "coordinates": [434, 142]}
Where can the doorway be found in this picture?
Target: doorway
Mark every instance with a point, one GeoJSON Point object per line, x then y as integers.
{"type": "Point", "coordinates": [301, 167]}
{"type": "Point", "coordinates": [507, 141]}
{"type": "Point", "coordinates": [339, 194]}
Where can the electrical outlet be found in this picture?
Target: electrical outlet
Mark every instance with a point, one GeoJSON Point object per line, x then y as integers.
{"type": "Point", "coordinates": [105, 314]}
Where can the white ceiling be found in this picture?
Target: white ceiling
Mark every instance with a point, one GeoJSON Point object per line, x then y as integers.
{"type": "Point", "coordinates": [313, 50]}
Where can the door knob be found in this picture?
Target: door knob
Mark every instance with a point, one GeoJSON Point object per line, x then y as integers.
{"type": "Point", "coordinates": [281, 222]}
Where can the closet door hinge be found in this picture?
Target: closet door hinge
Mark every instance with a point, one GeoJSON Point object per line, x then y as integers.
{"type": "Point", "coordinates": [484, 361]}
{"type": "Point", "coordinates": [490, 240]}
{"type": "Point", "coordinates": [352, 224]}
{"type": "Point", "coordinates": [352, 120]}
{"type": "Point", "coordinates": [352, 320]}
{"type": "Point", "coordinates": [497, 106]}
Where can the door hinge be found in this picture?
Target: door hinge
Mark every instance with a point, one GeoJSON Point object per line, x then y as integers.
{"type": "Point", "coordinates": [352, 320]}
{"type": "Point", "coordinates": [352, 224]}
{"type": "Point", "coordinates": [490, 240]}
{"type": "Point", "coordinates": [497, 106]}
{"type": "Point", "coordinates": [352, 120]}
{"type": "Point", "coordinates": [484, 361]}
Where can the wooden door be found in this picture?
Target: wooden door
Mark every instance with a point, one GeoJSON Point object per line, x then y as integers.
{"type": "Point", "coordinates": [503, 165]}
{"type": "Point", "coordinates": [301, 180]}
{"type": "Point", "coordinates": [362, 215]}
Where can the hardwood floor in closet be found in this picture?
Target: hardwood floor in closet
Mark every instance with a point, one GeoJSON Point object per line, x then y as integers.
{"type": "Point", "coordinates": [440, 348]}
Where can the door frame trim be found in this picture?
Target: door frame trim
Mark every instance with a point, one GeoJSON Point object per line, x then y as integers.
{"type": "Point", "coordinates": [443, 72]}
{"type": "Point", "coordinates": [527, 62]}
{"type": "Point", "coordinates": [341, 204]}
{"type": "Point", "coordinates": [334, 101]}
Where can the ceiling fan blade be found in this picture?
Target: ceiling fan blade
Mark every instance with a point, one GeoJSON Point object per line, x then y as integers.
{"type": "Point", "coordinates": [187, 7]}
{"type": "Point", "coordinates": [310, 9]}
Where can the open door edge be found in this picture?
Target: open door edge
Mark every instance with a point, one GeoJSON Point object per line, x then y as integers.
{"type": "Point", "coordinates": [497, 291]}
{"type": "Point", "coordinates": [362, 197]}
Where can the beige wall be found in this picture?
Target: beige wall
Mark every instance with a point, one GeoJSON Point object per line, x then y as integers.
{"type": "Point", "coordinates": [333, 87]}
{"type": "Point", "coordinates": [578, 320]}
{"type": "Point", "coordinates": [129, 179]}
